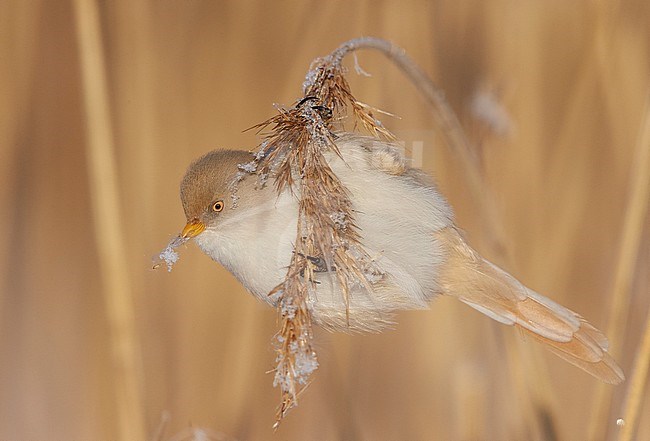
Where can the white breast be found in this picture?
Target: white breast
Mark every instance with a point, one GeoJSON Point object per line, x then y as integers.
{"type": "Point", "coordinates": [255, 245]}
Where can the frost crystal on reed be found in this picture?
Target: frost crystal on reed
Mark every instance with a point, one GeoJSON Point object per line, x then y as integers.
{"type": "Point", "coordinates": [236, 179]}
{"type": "Point", "coordinates": [249, 167]}
{"type": "Point", "coordinates": [262, 179]}
{"type": "Point", "coordinates": [340, 220]}
{"type": "Point", "coordinates": [283, 380]}
{"type": "Point", "coordinates": [234, 198]}
{"type": "Point", "coordinates": [310, 78]}
{"type": "Point", "coordinates": [233, 186]}
{"type": "Point", "coordinates": [261, 151]}
{"type": "Point", "coordinates": [288, 309]}
{"type": "Point", "coordinates": [305, 364]}
{"type": "Point", "coordinates": [169, 254]}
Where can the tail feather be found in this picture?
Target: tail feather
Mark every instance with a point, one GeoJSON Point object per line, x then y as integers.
{"type": "Point", "coordinates": [604, 368]}
{"type": "Point", "coordinates": [492, 291]}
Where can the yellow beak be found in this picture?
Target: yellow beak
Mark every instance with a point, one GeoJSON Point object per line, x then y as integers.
{"type": "Point", "coordinates": [193, 228]}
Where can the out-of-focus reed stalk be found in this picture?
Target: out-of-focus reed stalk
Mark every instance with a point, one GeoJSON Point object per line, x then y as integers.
{"type": "Point", "coordinates": [638, 384]}
{"type": "Point", "coordinates": [632, 232]}
{"type": "Point", "coordinates": [16, 78]}
{"type": "Point", "coordinates": [638, 211]}
{"type": "Point", "coordinates": [109, 234]}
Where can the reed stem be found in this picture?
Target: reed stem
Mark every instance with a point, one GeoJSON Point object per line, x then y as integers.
{"type": "Point", "coordinates": [107, 218]}
{"type": "Point", "coordinates": [637, 214]}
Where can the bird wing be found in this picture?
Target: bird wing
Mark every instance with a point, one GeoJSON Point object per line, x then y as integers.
{"type": "Point", "coordinates": [494, 292]}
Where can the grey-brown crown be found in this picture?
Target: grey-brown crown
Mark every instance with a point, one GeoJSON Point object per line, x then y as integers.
{"type": "Point", "coordinates": [208, 178]}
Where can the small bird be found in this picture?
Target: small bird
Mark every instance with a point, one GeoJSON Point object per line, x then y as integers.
{"type": "Point", "coordinates": [407, 227]}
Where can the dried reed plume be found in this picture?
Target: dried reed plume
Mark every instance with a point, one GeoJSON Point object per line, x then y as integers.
{"type": "Point", "coordinates": [292, 152]}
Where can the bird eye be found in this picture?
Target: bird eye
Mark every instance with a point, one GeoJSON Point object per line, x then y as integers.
{"type": "Point", "coordinates": [217, 206]}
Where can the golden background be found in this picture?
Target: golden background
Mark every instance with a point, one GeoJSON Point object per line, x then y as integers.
{"type": "Point", "coordinates": [104, 104]}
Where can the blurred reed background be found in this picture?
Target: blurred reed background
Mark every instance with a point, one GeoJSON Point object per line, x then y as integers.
{"type": "Point", "coordinates": [104, 104]}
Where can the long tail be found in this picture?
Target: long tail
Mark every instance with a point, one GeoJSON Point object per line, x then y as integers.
{"type": "Point", "coordinates": [495, 293]}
